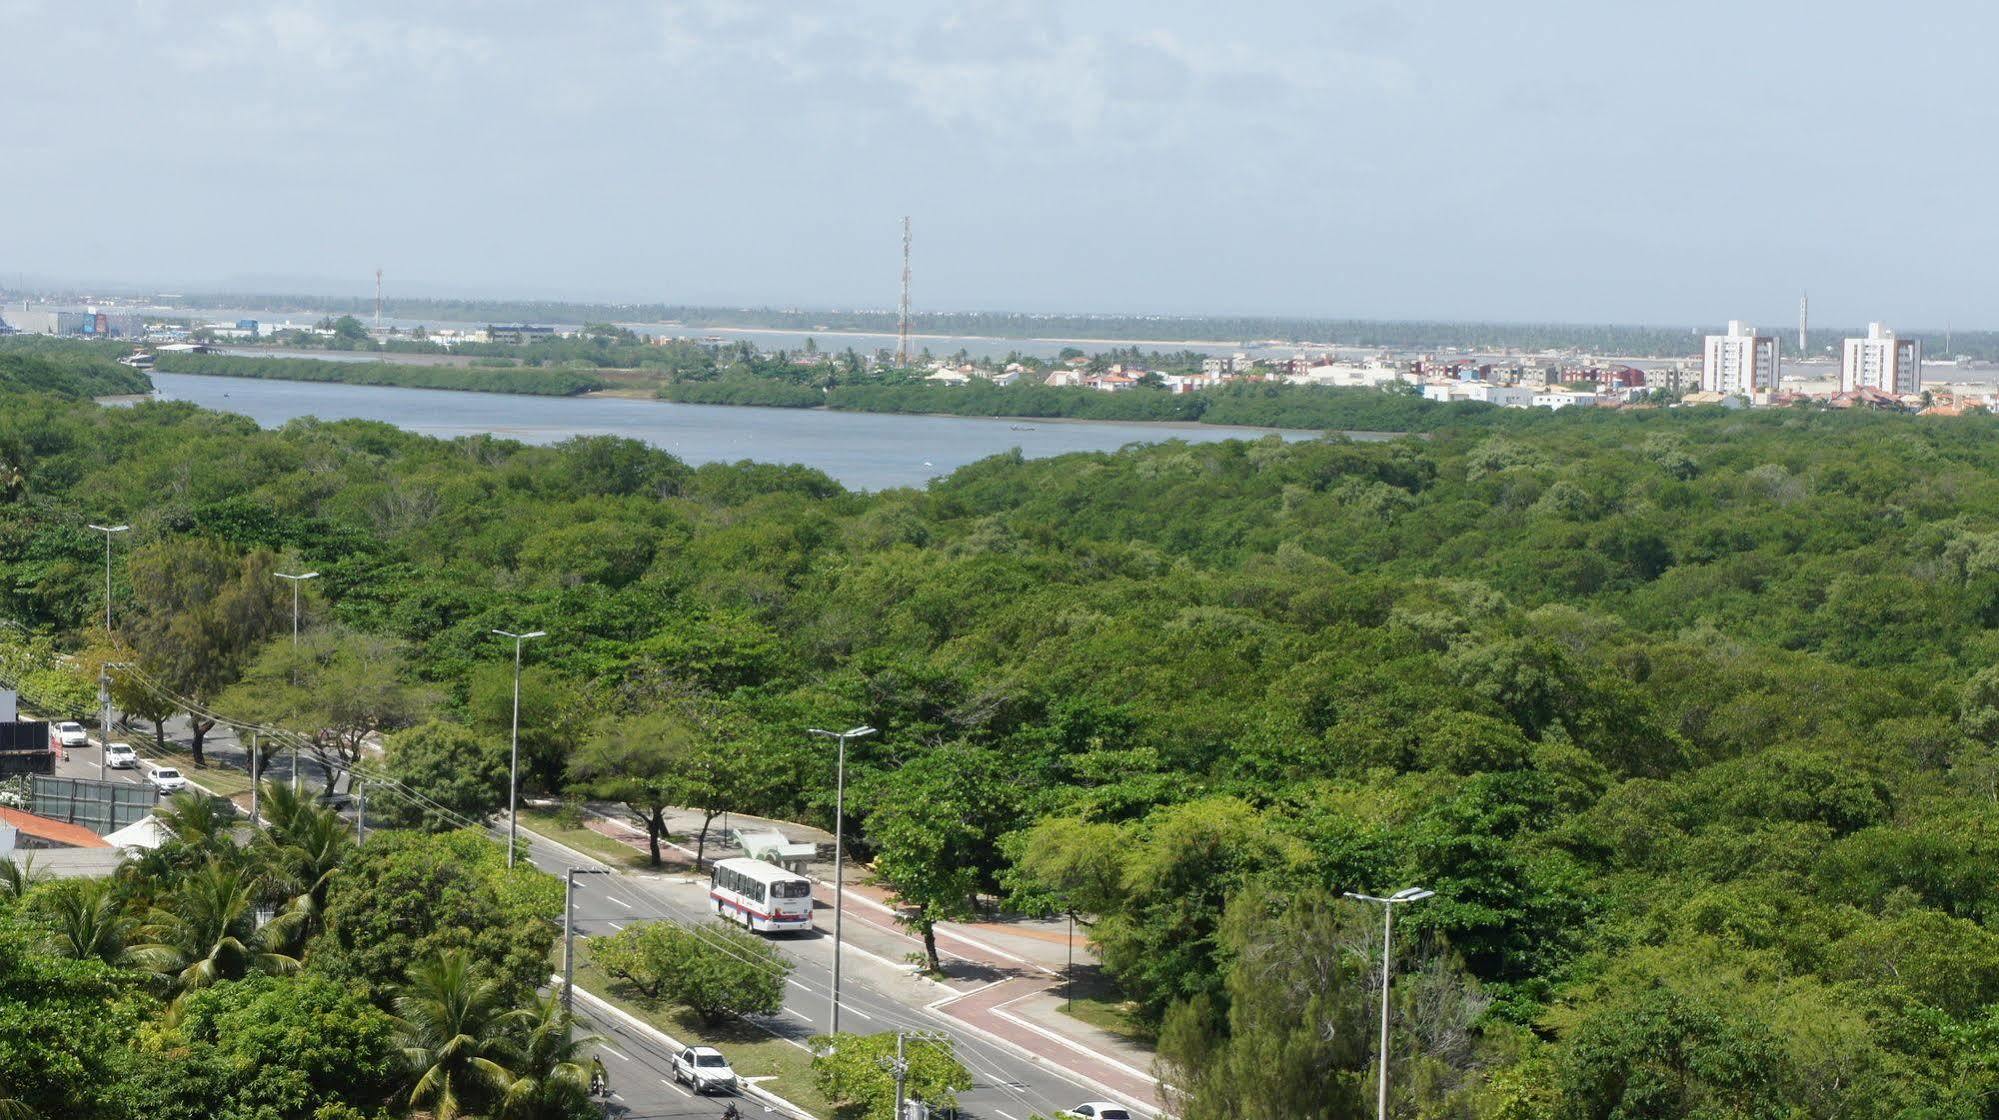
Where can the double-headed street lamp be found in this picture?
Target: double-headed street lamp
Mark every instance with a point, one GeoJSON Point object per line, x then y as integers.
{"type": "Point", "coordinates": [839, 848]}
{"type": "Point", "coordinates": [1388, 905]}
{"type": "Point", "coordinates": [108, 531]}
{"type": "Point", "coordinates": [295, 580]}
{"type": "Point", "coordinates": [514, 767]}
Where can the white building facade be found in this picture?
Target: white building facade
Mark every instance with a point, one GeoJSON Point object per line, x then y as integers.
{"type": "Point", "coordinates": [1740, 362]}
{"type": "Point", "coordinates": [1882, 361]}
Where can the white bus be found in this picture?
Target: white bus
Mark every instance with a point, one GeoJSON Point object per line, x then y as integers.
{"type": "Point", "coordinates": [762, 896]}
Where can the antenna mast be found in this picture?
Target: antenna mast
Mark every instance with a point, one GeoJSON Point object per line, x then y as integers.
{"type": "Point", "coordinates": [378, 299]}
{"type": "Point", "coordinates": [902, 348]}
{"type": "Point", "coordinates": [1804, 319]}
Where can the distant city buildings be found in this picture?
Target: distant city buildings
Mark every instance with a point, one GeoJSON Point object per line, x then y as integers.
{"type": "Point", "coordinates": [1740, 362]}
{"type": "Point", "coordinates": [1881, 361]}
{"type": "Point", "coordinates": [89, 323]}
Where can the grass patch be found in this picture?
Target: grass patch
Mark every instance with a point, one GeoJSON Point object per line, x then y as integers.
{"type": "Point", "coordinates": [613, 852]}
{"type": "Point", "coordinates": [752, 1051]}
{"type": "Point", "coordinates": [1113, 1016]}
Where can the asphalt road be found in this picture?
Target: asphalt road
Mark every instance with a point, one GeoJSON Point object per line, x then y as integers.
{"type": "Point", "coordinates": [1006, 1086]}
{"type": "Point", "coordinates": [876, 994]}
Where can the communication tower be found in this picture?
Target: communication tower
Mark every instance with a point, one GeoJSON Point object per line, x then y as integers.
{"type": "Point", "coordinates": [378, 299]}
{"type": "Point", "coordinates": [902, 346]}
{"type": "Point", "coordinates": [1804, 320]}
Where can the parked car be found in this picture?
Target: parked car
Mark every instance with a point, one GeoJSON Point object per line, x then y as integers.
{"type": "Point", "coordinates": [704, 1070]}
{"type": "Point", "coordinates": [121, 756]}
{"type": "Point", "coordinates": [1098, 1110]}
{"type": "Point", "coordinates": [71, 734]}
{"type": "Point", "coordinates": [166, 779]}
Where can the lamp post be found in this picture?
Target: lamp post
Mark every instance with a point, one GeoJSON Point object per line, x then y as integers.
{"type": "Point", "coordinates": [1388, 905]}
{"type": "Point", "coordinates": [514, 766]}
{"type": "Point", "coordinates": [108, 531]}
{"type": "Point", "coordinates": [295, 580]}
{"type": "Point", "coordinates": [839, 848]}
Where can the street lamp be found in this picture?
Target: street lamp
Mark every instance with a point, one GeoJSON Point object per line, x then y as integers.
{"type": "Point", "coordinates": [108, 530]}
{"type": "Point", "coordinates": [1388, 905]}
{"type": "Point", "coordinates": [514, 767]}
{"type": "Point", "coordinates": [839, 848]}
{"type": "Point", "coordinates": [295, 581]}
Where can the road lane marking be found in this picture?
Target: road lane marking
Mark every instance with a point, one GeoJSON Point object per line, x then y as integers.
{"type": "Point", "coordinates": [1007, 1115]}
{"type": "Point", "coordinates": [675, 1087]}
{"type": "Point", "coordinates": [619, 901]}
{"type": "Point", "coordinates": [615, 926]}
{"type": "Point", "coordinates": [614, 1053]}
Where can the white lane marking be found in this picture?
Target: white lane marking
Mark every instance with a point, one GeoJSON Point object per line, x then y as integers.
{"type": "Point", "coordinates": [675, 1087]}
{"type": "Point", "coordinates": [796, 984]}
{"type": "Point", "coordinates": [852, 1010]}
{"type": "Point", "coordinates": [616, 926]}
{"type": "Point", "coordinates": [619, 901]}
{"type": "Point", "coordinates": [614, 1053]}
{"type": "Point", "coordinates": [801, 1015]}
{"type": "Point", "coordinates": [1007, 1115]}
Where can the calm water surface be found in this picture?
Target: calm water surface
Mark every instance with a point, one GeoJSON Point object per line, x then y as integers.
{"type": "Point", "coordinates": [867, 451]}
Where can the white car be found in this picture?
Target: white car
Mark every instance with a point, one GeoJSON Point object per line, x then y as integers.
{"type": "Point", "coordinates": [1098, 1110]}
{"type": "Point", "coordinates": [166, 779]}
{"type": "Point", "coordinates": [704, 1070]}
{"type": "Point", "coordinates": [71, 734]}
{"type": "Point", "coordinates": [121, 756]}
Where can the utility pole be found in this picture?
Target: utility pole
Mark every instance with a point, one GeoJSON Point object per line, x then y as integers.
{"type": "Point", "coordinates": [569, 936]}
{"type": "Point", "coordinates": [104, 727]}
{"type": "Point", "coordinates": [360, 812]}
{"type": "Point", "coordinates": [378, 299]}
{"type": "Point", "coordinates": [255, 792]}
{"type": "Point", "coordinates": [900, 1067]}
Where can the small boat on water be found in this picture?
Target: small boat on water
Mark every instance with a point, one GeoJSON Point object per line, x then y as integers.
{"type": "Point", "coordinates": [1023, 427]}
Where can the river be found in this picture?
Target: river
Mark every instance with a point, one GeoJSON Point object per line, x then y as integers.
{"type": "Point", "coordinates": [864, 451]}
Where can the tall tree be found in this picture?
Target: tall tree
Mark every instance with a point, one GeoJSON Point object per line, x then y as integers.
{"type": "Point", "coordinates": [338, 689]}
{"type": "Point", "coordinates": [442, 777]}
{"type": "Point", "coordinates": [932, 822]}
{"type": "Point", "coordinates": [202, 607]}
{"type": "Point", "coordinates": [642, 761]}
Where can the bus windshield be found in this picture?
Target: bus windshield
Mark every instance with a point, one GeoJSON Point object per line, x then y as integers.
{"type": "Point", "coordinates": [791, 890]}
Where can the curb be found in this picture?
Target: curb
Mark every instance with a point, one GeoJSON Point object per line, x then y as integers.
{"type": "Point", "coordinates": [601, 1006]}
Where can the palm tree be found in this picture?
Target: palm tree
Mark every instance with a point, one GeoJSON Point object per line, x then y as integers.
{"type": "Point", "coordinates": [454, 1027]}
{"type": "Point", "coordinates": [197, 829]}
{"type": "Point", "coordinates": [282, 806]}
{"type": "Point", "coordinates": [208, 931]}
{"type": "Point", "coordinates": [17, 878]}
{"type": "Point", "coordinates": [303, 858]}
{"type": "Point", "coordinates": [87, 921]}
{"type": "Point", "coordinates": [13, 1109]}
{"type": "Point", "coordinates": [552, 1075]}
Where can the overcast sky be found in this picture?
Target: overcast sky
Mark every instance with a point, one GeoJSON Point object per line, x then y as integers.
{"type": "Point", "coordinates": [1573, 160]}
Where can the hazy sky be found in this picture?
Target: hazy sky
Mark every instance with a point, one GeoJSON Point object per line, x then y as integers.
{"type": "Point", "coordinates": [1689, 161]}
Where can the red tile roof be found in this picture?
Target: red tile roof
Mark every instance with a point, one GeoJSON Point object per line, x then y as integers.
{"type": "Point", "coordinates": [55, 832]}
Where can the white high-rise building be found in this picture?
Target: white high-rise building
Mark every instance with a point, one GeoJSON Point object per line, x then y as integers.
{"type": "Point", "coordinates": [1882, 361]}
{"type": "Point", "coordinates": [1739, 362]}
